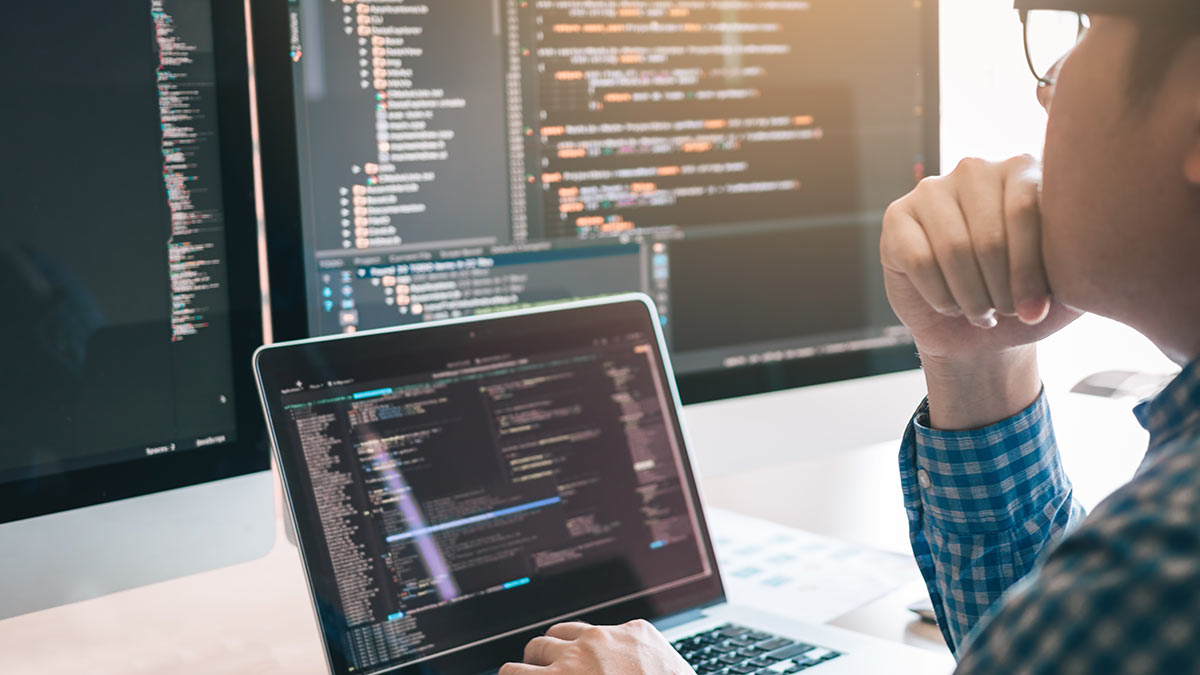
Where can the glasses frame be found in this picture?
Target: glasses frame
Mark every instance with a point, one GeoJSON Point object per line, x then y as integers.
{"type": "Point", "coordinates": [1044, 79]}
{"type": "Point", "coordinates": [1177, 10]}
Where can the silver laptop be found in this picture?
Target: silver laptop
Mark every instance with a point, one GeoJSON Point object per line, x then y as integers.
{"type": "Point", "coordinates": [457, 487]}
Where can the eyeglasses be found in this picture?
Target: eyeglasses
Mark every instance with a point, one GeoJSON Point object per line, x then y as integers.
{"type": "Point", "coordinates": [1053, 28]}
{"type": "Point", "coordinates": [1050, 35]}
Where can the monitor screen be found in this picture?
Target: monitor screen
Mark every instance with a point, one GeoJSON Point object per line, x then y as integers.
{"type": "Point", "coordinates": [130, 317]}
{"type": "Point", "coordinates": [496, 477]}
{"type": "Point", "coordinates": [730, 158]}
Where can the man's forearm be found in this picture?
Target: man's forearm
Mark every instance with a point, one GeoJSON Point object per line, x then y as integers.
{"type": "Point", "coordinates": [975, 394]}
{"type": "Point", "coordinates": [982, 507]}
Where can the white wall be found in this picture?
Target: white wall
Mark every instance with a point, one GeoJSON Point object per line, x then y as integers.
{"type": "Point", "coordinates": [989, 103]}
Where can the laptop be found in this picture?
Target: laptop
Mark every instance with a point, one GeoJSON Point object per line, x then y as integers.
{"type": "Point", "coordinates": [457, 487]}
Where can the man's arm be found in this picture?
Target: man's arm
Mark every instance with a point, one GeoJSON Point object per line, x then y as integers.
{"type": "Point", "coordinates": [982, 507]}
{"type": "Point", "coordinates": [1120, 594]}
{"type": "Point", "coordinates": [985, 492]}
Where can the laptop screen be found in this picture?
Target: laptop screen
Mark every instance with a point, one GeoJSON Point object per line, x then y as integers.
{"type": "Point", "coordinates": [456, 484]}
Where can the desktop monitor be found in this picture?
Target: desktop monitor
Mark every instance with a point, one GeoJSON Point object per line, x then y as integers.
{"type": "Point", "coordinates": [730, 158]}
{"type": "Point", "coordinates": [133, 447]}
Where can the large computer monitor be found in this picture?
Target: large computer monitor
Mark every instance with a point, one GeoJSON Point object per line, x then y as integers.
{"type": "Point", "coordinates": [131, 443]}
{"type": "Point", "coordinates": [731, 158]}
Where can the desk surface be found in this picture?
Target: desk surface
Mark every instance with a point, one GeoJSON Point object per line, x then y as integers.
{"type": "Point", "coordinates": [256, 617]}
{"type": "Point", "coordinates": [777, 457]}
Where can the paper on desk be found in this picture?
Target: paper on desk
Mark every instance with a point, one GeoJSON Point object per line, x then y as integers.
{"type": "Point", "coordinates": [798, 574]}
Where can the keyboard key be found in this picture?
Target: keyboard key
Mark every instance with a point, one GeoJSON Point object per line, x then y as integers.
{"type": "Point", "coordinates": [724, 647]}
{"type": "Point", "coordinates": [736, 650]}
{"type": "Point", "coordinates": [786, 653]}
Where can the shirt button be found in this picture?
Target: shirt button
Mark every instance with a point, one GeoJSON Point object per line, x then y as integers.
{"type": "Point", "coordinates": [923, 479]}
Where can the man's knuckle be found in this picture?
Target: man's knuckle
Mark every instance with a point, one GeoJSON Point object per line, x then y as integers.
{"type": "Point", "coordinates": [929, 184]}
{"type": "Point", "coordinates": [1021, 162]}
{"type": "Point", "coordinates": [970, 166]}
{"type": "Point", "coordinates": [914, 261]}
{"type": "Point", "coordinates": [533, 648]}
{"type": "Point", "coordinates": [1022, 202]}
{"type": "Point", "coordinates": [588, 650]}
{"type": "Point", "coordinates": [991, 245]}
{"type": "Point", "coordinates": [957, 247]}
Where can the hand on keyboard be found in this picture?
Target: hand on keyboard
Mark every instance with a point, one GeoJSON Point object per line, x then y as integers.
{"type": "Point", "coordinates": [635, 648]}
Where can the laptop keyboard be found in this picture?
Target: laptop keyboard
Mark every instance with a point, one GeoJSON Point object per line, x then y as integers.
{"type": "Point", "coordinates": [734, 650]}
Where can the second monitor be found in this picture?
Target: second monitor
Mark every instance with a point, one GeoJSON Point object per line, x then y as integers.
{"type": "Point", "coordinates": [730, 158]}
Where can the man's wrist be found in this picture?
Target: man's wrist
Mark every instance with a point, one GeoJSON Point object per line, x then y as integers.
{"type": "Point", "coordinates": [970, 393]}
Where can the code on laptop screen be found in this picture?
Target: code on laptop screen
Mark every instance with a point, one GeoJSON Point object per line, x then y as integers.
{"type": "Point", "coordinates": [465, 498]}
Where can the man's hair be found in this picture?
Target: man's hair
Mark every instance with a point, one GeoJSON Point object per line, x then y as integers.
{"type": "Point", "coordinates": [1160, 39]}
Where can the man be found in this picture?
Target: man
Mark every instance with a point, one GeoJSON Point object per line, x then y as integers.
{"type": "Point", "coordinates": [981, 265]}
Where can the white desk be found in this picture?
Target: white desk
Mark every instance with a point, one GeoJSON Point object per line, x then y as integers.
{"type": "Point", "coordinates": [818, 459]}
{"type": "Point", "coordinates": [256, 617]}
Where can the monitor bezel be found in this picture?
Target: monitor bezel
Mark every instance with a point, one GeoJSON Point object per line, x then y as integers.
{"type": "Point", "coordinates": [285, 246]}
{"type": "Point", "coordinates": [42, 495]}
{"type": "Point", "coordinates": [276, 364]}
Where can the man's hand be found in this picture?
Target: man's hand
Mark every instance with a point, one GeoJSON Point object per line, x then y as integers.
{"type": "Point", "coordinates": [635, 648]}
{"type": "Point", "coordinates": [962, 261]}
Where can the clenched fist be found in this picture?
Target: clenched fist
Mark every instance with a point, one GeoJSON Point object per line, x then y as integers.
{"type": "Point", "coordinates": [962, 263]}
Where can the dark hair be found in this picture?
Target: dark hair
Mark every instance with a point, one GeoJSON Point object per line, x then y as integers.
{"type": "Point", "coordinates": [1159, 42]}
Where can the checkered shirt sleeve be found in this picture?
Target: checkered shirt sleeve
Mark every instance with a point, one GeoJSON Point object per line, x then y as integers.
{"type": "Point", "coordinates": [1121, 593]}
{"type": "Point", "coordinates": [982, 507]}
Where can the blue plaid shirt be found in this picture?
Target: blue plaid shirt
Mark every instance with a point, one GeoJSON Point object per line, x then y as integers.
{"type": "Point", "coordinates": [1022, 583]}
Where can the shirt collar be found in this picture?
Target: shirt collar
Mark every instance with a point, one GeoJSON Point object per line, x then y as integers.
{"type": "Point", "coordinates": [1175, 408]}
